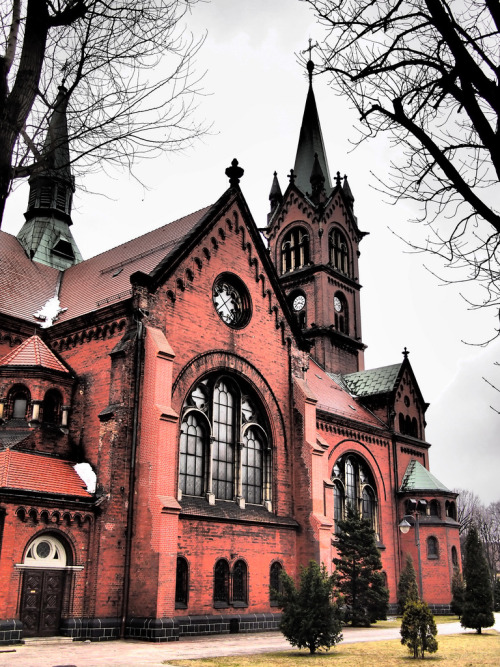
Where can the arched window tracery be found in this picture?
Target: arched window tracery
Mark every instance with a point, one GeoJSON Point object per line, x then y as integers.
{"type": "Point", "coordinates": [339, 251]}
{"type": "Point", "coordinates": [224, 447]}
{"type": "Point", "coordinates": [295, 249]}
{"type": "Point", "coordinates": [354, 486]}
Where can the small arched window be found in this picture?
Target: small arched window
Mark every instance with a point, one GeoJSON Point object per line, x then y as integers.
{"type": "Point", "coordinates": [451, 510]}
{"type": "Point", "coordinates": [295, 250]}
{"type": "Point", "coordinates": [181, 583]}
{"type": "Point", "coordinates": [341, 313]}
{"type": "Point", "coordinates": [338, 251]}
{"type": "Point", "coordinates": [338, 504]}
{"type": "Point", "coordinates": [52, 407]}
{"type": "Point", "coordinates": [454, 556]}
{"type": "Point", "coordinates": [432, 548]}
{"type": "Point", "coordinates": [240, 583]}
{"type": "Point", "coordinates": [221, 583]}
{"type": "Point", "coordinates": [18, 400]}
{"type": "Point", "coordinates": [275, 584]}
{"type": "Point", "coordinates": [434, 508]}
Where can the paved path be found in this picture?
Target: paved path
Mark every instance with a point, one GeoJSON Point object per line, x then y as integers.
{"type": "Point", "coordinates": [59, 652]}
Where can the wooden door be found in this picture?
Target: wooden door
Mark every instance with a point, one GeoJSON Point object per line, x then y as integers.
{"type": "Point", "coordinates": [41, 602]}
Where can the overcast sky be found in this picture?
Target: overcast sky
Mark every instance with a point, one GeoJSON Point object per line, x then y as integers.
{"type": "Point", "coordinates": [254, 95]}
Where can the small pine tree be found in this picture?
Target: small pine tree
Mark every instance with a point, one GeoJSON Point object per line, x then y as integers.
{"type": "Point", "coordinates": [496, 595]}
{"type": "Point", "coordinates": [478, 605]}
{"type": "Point", "coordinates": [458, 591]}
{"type": "Point", "coordinates": [310, 618]}
{"type": "Point", "coordinates": [358, 570]}
{"type": "Point", "coordinates": [418, 629]}
{"type": "Point", "coordinates": [407, 586]}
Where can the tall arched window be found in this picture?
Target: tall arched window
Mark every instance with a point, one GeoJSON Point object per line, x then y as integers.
{"type": "Point", "coordinates": [295, 250]}
{"type": "Point", "coordinates": [341, 313]}
{"type": "Point", "coordinates": [338, 250]}
{"type": "Point", "coordinates": [454, 556]}
{"type": "Point", "coordinates": [275, 585]}
{"type": "Point", "coordinates": [240, 584]}
{"type": "Point", "coordinates": [354, 486]}
{"type": "Point", "coordinates": [224, 442]}
{"type": "Point", "coordinates": [181, 583]}
{"type": "Point", "coordinates": [221, 583]}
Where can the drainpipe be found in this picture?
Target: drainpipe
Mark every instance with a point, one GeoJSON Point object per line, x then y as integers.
{"type": "Point", "coordinates": [139, 354]}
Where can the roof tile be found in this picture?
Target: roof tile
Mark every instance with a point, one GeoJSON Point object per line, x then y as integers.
{"type": "Point", "coordinates": [375, 381]}
{"type": "Point", "coordinates": [418, 478]}
{"type": "Point", "coordinates": [33, 352]}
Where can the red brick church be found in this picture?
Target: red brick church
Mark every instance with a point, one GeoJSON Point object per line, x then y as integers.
{"type": "Point", "coordinates": [187, 414]}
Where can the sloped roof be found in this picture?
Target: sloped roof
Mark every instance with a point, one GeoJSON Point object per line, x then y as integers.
{"type": "Point", "coordinates": [418, 478]}
{"type": "Point", "coordinates": [33, 352]}
{"type": "Point", "coordinates": [42, 474]}
{"type": "Point", "coordinates": [25, 286]}
{"type": "Point", "coordinates": [332, 396]}
{"type": "Point", "coordinates": [375, 381]}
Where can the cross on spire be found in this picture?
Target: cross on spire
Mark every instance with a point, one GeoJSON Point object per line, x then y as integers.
{"type": "Point", "coordinates": [310, 64]}
{"type": "Point", "coordinates": [405, 353]}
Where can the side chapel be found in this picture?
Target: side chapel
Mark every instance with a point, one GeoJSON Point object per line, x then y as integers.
{"type": "Point", "coordinates": [187, 414]}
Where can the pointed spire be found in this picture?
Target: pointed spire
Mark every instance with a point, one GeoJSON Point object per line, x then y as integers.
{"type": "Point", "coordinates": [347, 191]}
{"type": "Point", "coordinates": [310, 142]}
{"type": "Point", "coordinates": [275, 196]}
{"type": "Point", "coordinates": [45, 236]}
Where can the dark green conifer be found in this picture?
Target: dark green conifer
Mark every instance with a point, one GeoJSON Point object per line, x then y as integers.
{"type": "Point", "coordinates": [418, 629]}
{"type": "Point", "coordinates": [310, 617]}
{"type": "Point", "coordinates": [458, 592]}
{"type": "Point", "coordinates": [478, 604]}
{"type": "Point", "coordinates": [358, 570]}
{"type": "Point", "coordinates": [407, 586]}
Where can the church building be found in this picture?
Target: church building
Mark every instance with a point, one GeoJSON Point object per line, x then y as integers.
{"type": "Point", "coordinates": [186, 415]}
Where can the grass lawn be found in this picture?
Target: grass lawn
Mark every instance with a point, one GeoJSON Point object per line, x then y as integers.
{"type": "Point", "coordinates": [467, 650]}
{"type": "Point", "coordinates": [396, 622]}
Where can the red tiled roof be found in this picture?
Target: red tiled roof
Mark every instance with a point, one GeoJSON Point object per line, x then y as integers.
{"type": "Point", "coordinates": [25, 286]}
{"type": "Point", "coordinates": [33, 352]}
{"type": "Point", "coordinates": [43, 474]}
{"type": "Point", "coordinates": [333, 398]}
{"type": "Point", "coordinates": [105, 278]}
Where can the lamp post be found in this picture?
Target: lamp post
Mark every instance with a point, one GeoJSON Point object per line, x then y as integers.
{"type": "Point", "coordinates": [404, 527]}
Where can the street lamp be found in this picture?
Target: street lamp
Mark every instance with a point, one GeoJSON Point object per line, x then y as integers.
{"type": "Point", "coordinates": [404, 527]}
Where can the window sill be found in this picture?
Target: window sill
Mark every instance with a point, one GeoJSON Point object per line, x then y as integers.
{"type": "Point", "coordinates": [240, 605]}
{"type": "Point", "coordinates": [221, 605]}
{"type": "Point", "coordinates": [181, 605]}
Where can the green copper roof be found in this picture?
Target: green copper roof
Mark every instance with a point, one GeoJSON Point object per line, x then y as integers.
{"type": "Point", "coordinates": [375, 381]}
{"type": "Point", "coordinates": [418, 478]}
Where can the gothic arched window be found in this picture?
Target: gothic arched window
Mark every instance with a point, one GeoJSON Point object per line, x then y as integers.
{"type": "Point", "coordinates": [224, 447]}
{"type": "Point", "coordinates": [240, 583]}
{"type": "Point", "coordinates": [295, 250]}
{"type": "Point", "coordinates": [354, 486]}
{"type": "Point", "coordinates": [221, 583]}
{"type": "Point", "coordinates": [338, 251]}
{"type": "Point", "coordinates": [454, 556]}
{"type": "Point", "coordinates": [181, 583]}
{"type": "Point", "coordinates": [341, 313]}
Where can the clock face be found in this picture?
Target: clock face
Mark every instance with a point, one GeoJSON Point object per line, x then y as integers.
{"type": "Point", "coordinates": [231, 301]}
{"type": "Point", "coordinates": [299, 302]}
{"type": "Point", "coordinates": [337, 304]}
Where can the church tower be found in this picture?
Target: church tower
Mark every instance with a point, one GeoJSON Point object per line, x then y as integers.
{"type": "Point", "coordinates": [313, 239]}
{"type": "Point", "coordinates": [46, 236]}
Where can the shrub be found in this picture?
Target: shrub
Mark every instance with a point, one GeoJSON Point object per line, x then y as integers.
{"type": "Point", "coordinates": [418, 629]}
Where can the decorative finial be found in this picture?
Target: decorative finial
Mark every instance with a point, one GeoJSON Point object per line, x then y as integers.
{"type": "Point", "coordinates": [310, 64]}
{"type": "Point", "coordinates": [292, 177]}
{"type": "Point", "coordinates": [405, 353]}
{"type": "Point", "coordinates": [337, 179]}
{"type": "Point", "coordinates": [234, 173]}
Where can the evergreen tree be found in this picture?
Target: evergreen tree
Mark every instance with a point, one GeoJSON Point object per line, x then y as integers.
{"type": "Point", "coordinates": [458, 591]}
{"type": "Point", "coordinates": [478, 604]}
{"type": "Point", "coordinates": [407, 586]}
{"type": "Point", "coordinates": [358, 571]}
{"type": "Point", "coordinates": [310, 618]}
{"type": "Point", "coordinates": [418, 629]}
{"type": "Point", "coordinates": [496, 595]}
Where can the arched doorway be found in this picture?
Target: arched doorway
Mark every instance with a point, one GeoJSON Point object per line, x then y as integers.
{"type": "Point", "coordinates": [43, 586]}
